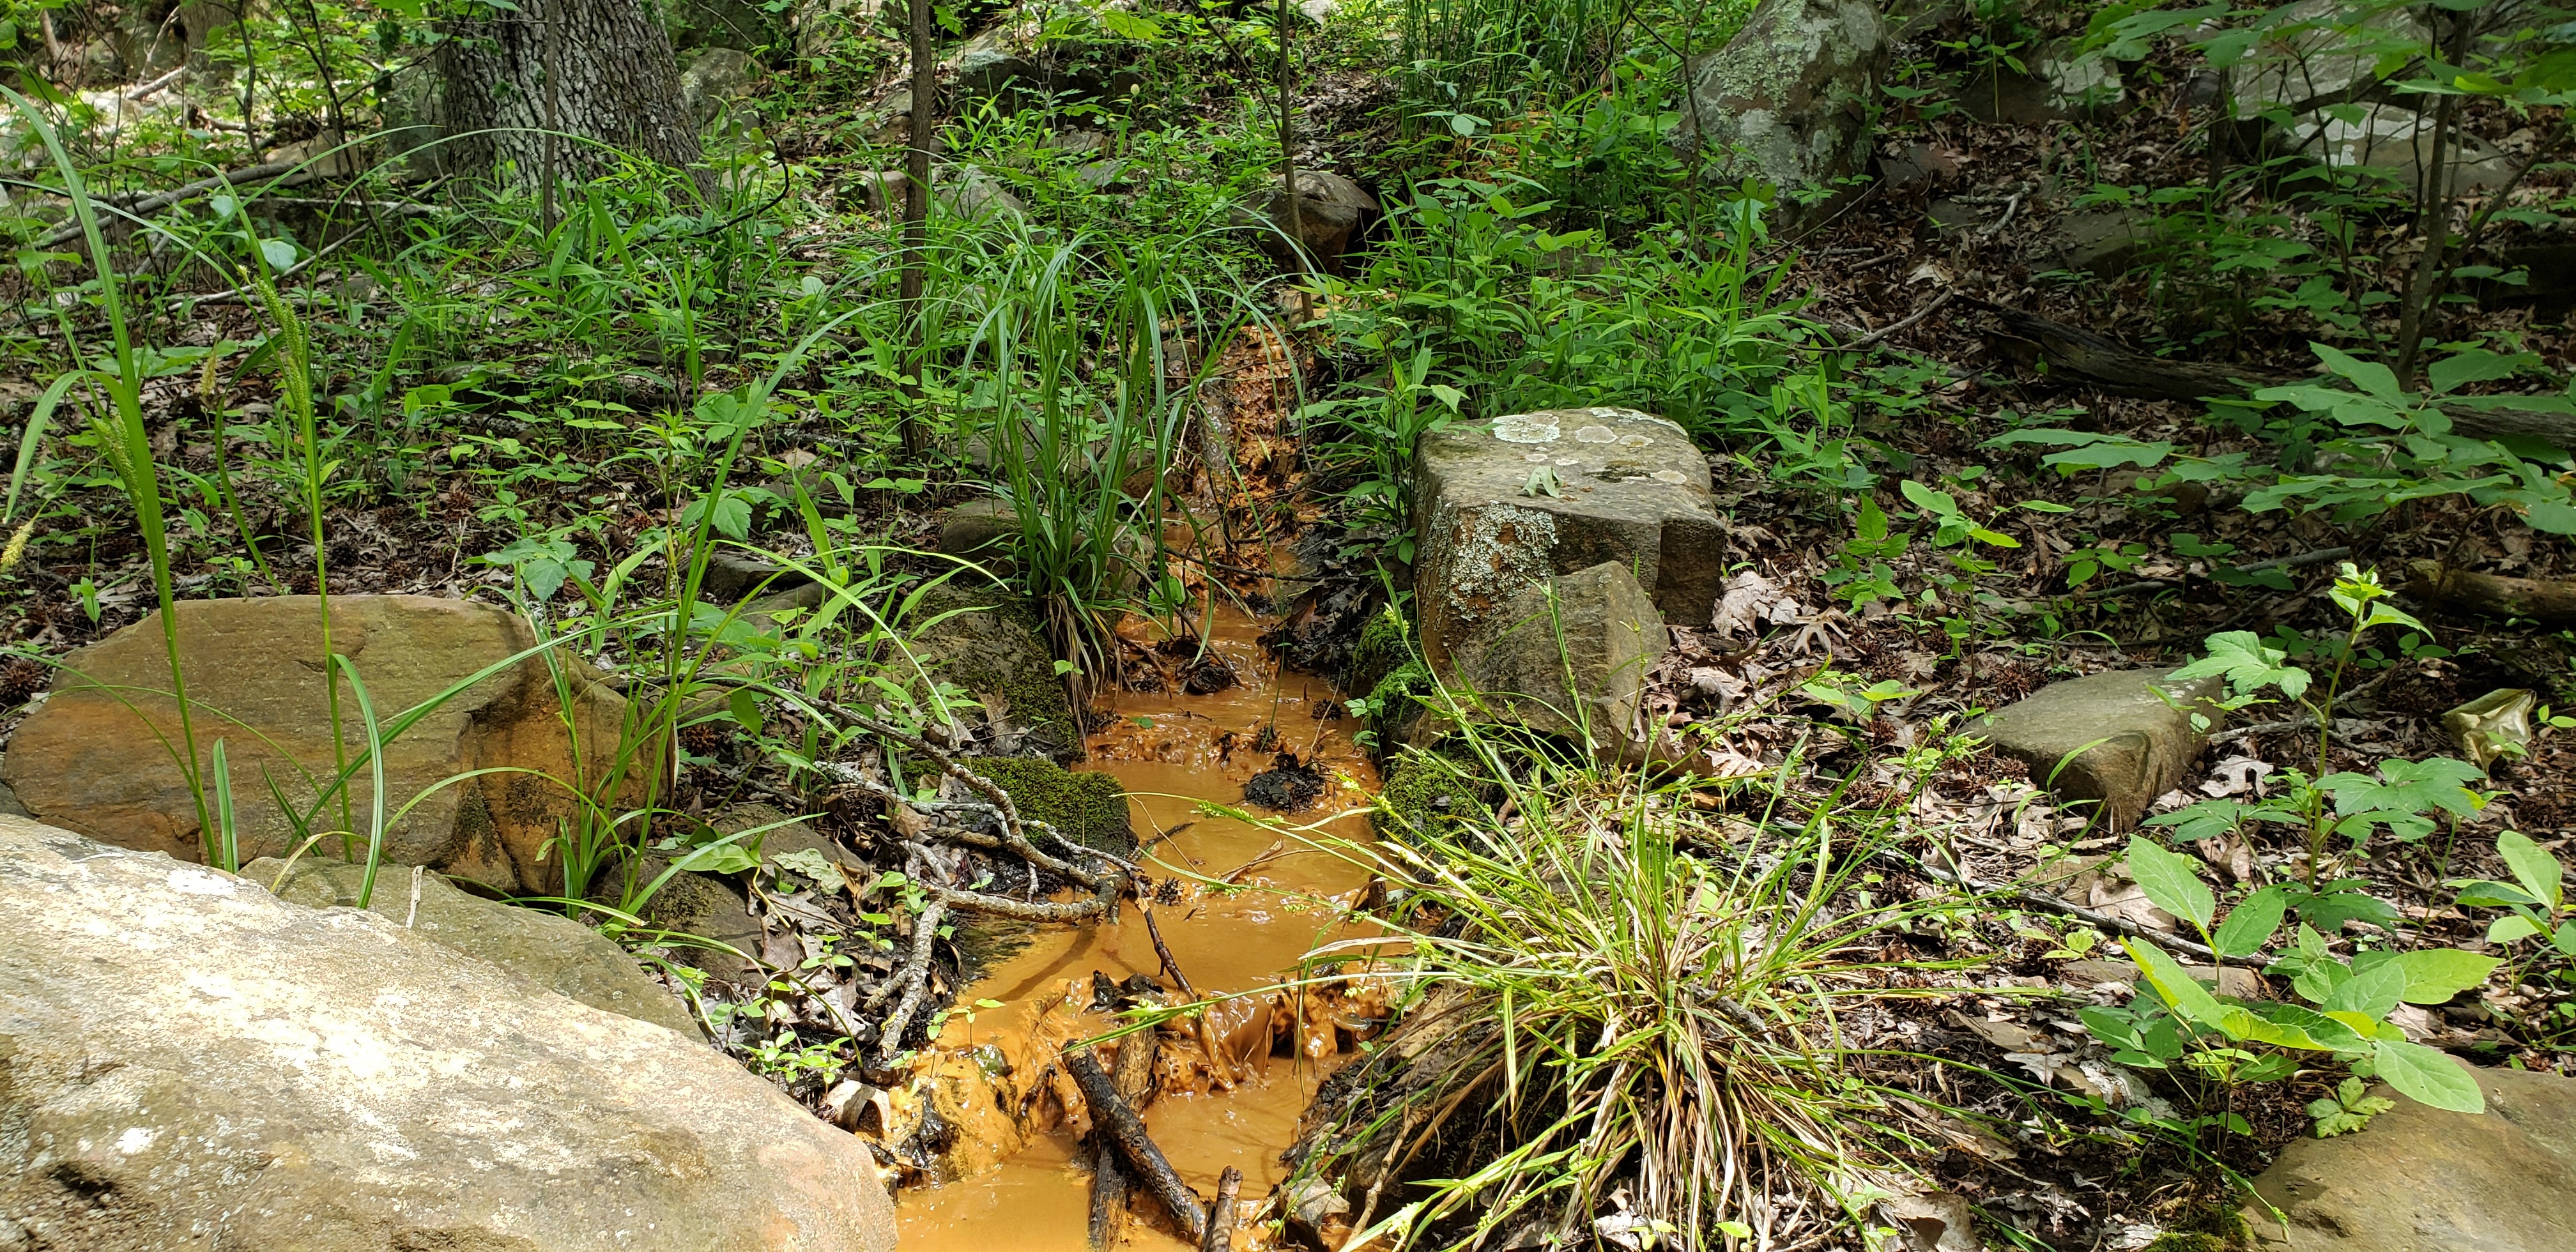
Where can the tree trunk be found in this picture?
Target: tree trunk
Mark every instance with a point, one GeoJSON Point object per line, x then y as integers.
{"type": "Point", "coordinates": [619, 84]}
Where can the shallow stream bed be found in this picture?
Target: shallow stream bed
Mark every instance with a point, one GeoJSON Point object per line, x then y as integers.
{"type": "Point", "coordinates": [1172, 751]}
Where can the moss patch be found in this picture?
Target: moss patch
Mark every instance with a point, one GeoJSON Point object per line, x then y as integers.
{"type": "Point", "coordinates": [1385, 646]}
{"type": "Point", "coordinates": [2210, 1229]}
{"type": "Point", "coordinates": [992, 645]}
{"type": "Point", "coordinates": [1424, 789]}
{"type": "Point", "coordinates": [1091, 809]}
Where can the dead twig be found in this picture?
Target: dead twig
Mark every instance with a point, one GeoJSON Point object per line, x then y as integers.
{"type": "Point", "coordinates": [1171, 967]}
{"type": "Point", "coordinates": [1875, 337]}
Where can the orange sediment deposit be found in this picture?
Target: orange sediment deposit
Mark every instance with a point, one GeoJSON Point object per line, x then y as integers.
{"type": "Point", "coordinates": [1238, 905]}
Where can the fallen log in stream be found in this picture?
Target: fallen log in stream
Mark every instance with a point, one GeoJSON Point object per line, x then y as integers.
{"type": "Point", "coordinates": [1133, 1077]}
{"type": "Point", "coordinates": [1114, 1120]}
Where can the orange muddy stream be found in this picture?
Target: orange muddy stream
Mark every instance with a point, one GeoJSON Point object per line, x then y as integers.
{"type": "Point", "coordinates": [1172, 751]}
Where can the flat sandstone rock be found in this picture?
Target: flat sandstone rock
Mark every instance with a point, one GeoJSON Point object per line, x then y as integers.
{"type": "Point", "coordinates": [192, 1063]}
{"type": "Point", "coordinates": [2420, 1179]}
{"type": "Point", "coordinates": [2128, 743]}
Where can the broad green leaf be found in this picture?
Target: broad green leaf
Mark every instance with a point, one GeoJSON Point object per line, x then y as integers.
{"type": "Point", "coordinates": [2171, 882]}
{"type": "Point", "coordinates": [2370, 376]}
{"type": "Point", "coordinates": [2251, 922]}
{"type": "Point", "coordinates": [2511, 928]}
{"type": "Point", "coordinates": [279, 253]}
{"type": "Point", "coordinates": [2371, 991]}
{"type": "Point", "coordinates": [2428, 1076]}
{"type": "Point", "coordinates": [2477, 365]}
{"type": "Point", "coordinates": [2248, 665]}
{"type": "Point", "coordinates": [2435, 784]}
{"type": "Point", "coordinates": [2180, 992]}
{"type": "Point", "coordinates": [2488, 893]}
{"type": "Point", "coordinates": [1939, 503]}
{"type": "Point", "coordinates": [2291, 1026]}
{"type": "Point", "coordinates": [2533, 867]}
{"type": "Point", "coordinates": [2433, 975]}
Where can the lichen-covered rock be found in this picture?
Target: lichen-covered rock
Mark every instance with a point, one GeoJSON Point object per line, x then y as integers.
{"type": "Point", "coordinates": [548, 949]}
{"type": "Point", "coordinates": [1569, 655]}
{"type": "Point", "coordinates": [2129, 734]}
{"type": "Point", "coordinates": [1788, 100]}
{"type": "Point", "coordinates": [992, 646]}
{"type": "Point", "coordinates": [714, 76]}
{"type": "Point", "coordinates": [190, 1062]}
{"type": "Point", "coordinates": [2418, 1179]}
{"type": "Point", "coordinates": [1088, 808]}
{"type": "Point", "coordinates": [91, 759]}
{"type": "Point", "coordinates": [1506, 504]}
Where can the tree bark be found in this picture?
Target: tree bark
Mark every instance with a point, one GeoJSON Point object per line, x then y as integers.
{"type": "Point", "coordinates": [617, 82]}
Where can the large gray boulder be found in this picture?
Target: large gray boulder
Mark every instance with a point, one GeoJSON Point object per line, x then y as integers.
{"type": "Point", "coordinates": [1504, 505]}
{"type": "Point", "coordinates": [2129, 734]}
{"type": "Point", "coordinates": [2419, 1179]}
{"type": "Point", "coordinates": [1788, 100]}
{"type": "Point", "coordinates": [548, 949]}
{"type": "Point", "coordinates": [93, 758]}
{"type": "Point", "coordinates": [1569, 655]}
{"type": "Point", "coordinates": [191, 1062]}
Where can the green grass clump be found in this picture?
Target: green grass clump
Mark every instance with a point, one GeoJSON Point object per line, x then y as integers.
{"type": "Point", "coordinates": [1090, 809]}
{"type": "Point", "coordinates": [1613, 1005]}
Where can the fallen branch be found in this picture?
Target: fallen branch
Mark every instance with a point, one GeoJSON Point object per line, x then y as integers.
{"type": "Point", "coordinates": [1133, 1076]}
{"type": "Point", "coordinates": [2042, 900]}
{"type": "Point", "coordinates": [2317, 557]}
{"type": "Point", "coordinates": [2549, 601]}
{"type": "Point", "coordinates": [1873, 338]}
{"type": "Point", "coordinates": [152, 204]}
{"type": "Point", "coordinates": [1220, 1222]}
{"type": "Point", "coordinates": [1112, 1118]}
{"type": "Point", "coordinates": [1014, 832]}
{"type": "Point", "coordinates": [916, 981]}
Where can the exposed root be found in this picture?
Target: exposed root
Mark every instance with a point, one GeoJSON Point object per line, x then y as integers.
{"type": "Point", "coordinates": [915, 982]}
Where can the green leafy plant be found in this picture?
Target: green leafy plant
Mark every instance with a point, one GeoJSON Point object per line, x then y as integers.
{"type": "Point", "coordinates": [2381, 445]}
{"type": "Point", "coordinates": [2349, 1109]}
{"type": "Point", "coordinates": [2234, 1041]}
{"type": "Point", "coordinates": [2402, 796]}
{"type": "Point", "coordinates": [2535, 902]}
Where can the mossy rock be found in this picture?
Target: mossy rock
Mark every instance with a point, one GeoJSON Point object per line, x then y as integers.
{"type": "Point", "coordinates": [1385, 646]}
{"type": "Point", "coordinates": [992, 645]}
{"type": "Point", "coordinates": [1089, 808]}
{"type": "Point", "coordinates": [1395, 707]}
{"type": "Point", "coordinates": [1424, 788]}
